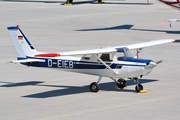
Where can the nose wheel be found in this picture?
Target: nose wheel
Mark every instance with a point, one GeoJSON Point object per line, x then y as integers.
{"type": "Point", "coordinates": [139, 87]}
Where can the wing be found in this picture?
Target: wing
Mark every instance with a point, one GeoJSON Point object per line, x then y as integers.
{"type": "Point", "coordinates": [27, 60]}
{"type": "Point", "coordinates": [148, 44]}
{"type": "Point", "coordinates": [89, 52]}
{"type": "Point", "coordinates": [115, 49]}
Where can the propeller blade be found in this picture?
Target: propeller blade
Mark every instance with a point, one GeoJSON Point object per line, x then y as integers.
{"type": "Point", "coordinates": [160, 61]}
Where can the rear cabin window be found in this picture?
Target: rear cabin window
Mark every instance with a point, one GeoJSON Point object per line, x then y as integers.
{"type": "Point", "coordinates": [106, 57]}
{"type": "Point", "coordinates": [86, 57]}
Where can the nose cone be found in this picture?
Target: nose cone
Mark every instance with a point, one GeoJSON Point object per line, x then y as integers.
{"type": "Point", "coordinates": [151, 65]}
{"type": "Point", "coordinates": [148, 68]}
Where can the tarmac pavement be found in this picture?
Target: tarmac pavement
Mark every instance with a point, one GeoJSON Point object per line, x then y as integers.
{"type": "Point", "coordinates": [45, 94]}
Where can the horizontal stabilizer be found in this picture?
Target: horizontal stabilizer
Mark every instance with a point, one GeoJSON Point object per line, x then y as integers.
{"type": "Point", "coordinates": [27, 60]}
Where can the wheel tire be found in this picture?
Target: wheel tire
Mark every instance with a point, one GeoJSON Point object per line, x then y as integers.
{"type": "Point", "coordinates": [94, 87]}
{"type": "Point", "coordinates": [121, 83]}
{"type": "Point", "coordinates": [139, 88]}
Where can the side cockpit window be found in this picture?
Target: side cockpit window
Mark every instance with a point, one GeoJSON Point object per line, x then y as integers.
{"type": "Point", "coordinates": [106, 57]}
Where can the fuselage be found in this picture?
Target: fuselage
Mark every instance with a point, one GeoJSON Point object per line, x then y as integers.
{"type": "Point", "coordinates": [126, 67]}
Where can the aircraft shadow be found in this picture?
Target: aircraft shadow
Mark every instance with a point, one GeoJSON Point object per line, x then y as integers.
{"type": "Point", "coordinates": [20, 84]}
{"type": "Point", "coordinates": [62, 2]}
{"type": "Point", "coordinates": [177, 41]}
{"type": "Point", "coordinates": [130, 28]}
{"type": "Point", "coordinates": [33, 1]}
{"type": "Point", "coordinates": [81, 2]}
{"type": "Point", "coordinates": [128, 3]}
{"type": "Point", "coordinates": [109, 28]}
{"type": "Point", "coordinates": [69, 90]}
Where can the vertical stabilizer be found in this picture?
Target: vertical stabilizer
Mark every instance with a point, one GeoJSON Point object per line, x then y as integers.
{"type": "Point", "coordinates": [22, 46]}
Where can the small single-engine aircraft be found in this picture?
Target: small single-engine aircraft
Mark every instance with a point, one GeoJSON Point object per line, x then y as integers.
{"type": "Point", "coordinates": [173, 3]}
{"type": "Point", "coordinates": [116, 63]}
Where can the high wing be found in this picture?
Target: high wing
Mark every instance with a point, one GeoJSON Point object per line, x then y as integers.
{"type": "Point", "coordinates": [148, 44]}
{"type": "Point", "coordinates": [86, 52]}
{"type": "Point", "coordinates": [115, 49]}
{"type": "Point", "coordinates": [27, 60]}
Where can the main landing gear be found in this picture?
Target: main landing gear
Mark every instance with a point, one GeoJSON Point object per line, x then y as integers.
{"type": "Point", "coordinates": [121, 83]}
{"type": "Point", "coordinates": [94, 87]}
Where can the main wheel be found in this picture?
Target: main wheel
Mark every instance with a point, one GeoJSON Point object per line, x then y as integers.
{"type": "Point", "coordinates": [139, 87]}
{"type": "Point", "coordinates": [121, 83]}
{"type": "Point", "coordinates": [94, 87]}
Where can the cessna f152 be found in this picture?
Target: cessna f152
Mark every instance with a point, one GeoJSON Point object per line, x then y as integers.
{"type": "Point", "coordinates": [116, 63]}
{"type": "Point", "coordinates": [172, 3]}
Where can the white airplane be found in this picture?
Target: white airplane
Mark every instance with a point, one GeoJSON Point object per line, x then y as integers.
{"type": "Point", "coordinates": [172, 3]}
{"type": "Point", "coordinates": [116, 63]}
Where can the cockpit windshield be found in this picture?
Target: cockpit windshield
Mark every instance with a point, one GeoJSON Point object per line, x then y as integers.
{"type": "Point", "coordinates": [123, 53]}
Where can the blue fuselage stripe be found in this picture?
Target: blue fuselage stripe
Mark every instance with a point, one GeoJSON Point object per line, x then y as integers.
{"type": "Point", "coordinates": [73, 64]}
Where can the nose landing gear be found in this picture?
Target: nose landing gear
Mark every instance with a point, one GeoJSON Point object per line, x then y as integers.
{"type": "Point", "coordinates": [139, 87]}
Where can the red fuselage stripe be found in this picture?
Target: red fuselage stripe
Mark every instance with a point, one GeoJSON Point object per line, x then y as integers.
{"type": "Point", "coordinates": [48, 55]}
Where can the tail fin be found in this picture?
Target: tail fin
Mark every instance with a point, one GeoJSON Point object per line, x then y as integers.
{"type": "Point", "coordinates": [22, 46]}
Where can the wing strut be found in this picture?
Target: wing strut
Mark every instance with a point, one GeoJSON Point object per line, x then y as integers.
{"type": "Point", "coordinates": [106, 65]}
{"type": "Point", "coordinates": [138, 53]}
